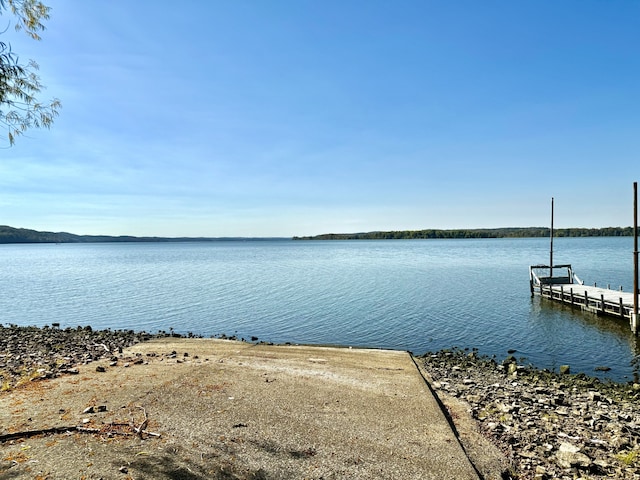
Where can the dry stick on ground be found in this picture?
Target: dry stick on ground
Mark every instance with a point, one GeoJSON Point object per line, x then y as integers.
{"type": "Point", "coordinates": [101, 345]}
{"type": "Point", "coordinates": [139, 430]}
{"type": "Point", "coordinates": [77, 428]}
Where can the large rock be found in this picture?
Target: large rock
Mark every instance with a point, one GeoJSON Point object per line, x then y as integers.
{"type": "Point", "coordinates": [569, 456]}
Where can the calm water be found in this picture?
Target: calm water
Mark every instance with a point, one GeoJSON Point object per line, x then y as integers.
{"type": "Point", "coordinates": [414, 295]}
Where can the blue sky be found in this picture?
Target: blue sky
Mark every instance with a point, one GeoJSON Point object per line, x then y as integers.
{"type": "Point", "coordinates": [281, 118]}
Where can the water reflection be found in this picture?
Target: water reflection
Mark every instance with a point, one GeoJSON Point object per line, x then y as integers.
{"type": "Point", "coordinates": [606, 341]}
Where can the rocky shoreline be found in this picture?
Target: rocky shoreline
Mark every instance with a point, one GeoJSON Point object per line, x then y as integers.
{"type": "Point", "coordinates": [34, 353]}
{"type": "Point", "coordinates": [550, 426]}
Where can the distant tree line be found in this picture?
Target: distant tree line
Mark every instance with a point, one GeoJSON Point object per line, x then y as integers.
{"type": "Point", "coordinates": [515, 232]}
{"type": "Point", "coordinates": [24, 235]}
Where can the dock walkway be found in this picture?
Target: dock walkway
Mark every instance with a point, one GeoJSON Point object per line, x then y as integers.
{"type": "Point", "coordinates": [602, 301]}
{"type": "Point", "coordinates": [565, 287]}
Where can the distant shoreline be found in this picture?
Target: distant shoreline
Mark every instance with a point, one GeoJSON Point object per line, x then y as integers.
{"type": "Point", "coordinates": [510, 232]}
{"type": "Point", "coordinates": [24, 235]}
{"type": "Point", "coordinates": [11, 235]}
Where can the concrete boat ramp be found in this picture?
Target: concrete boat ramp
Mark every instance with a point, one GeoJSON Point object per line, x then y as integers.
{"type": "Point", "coordinates": [208, 408]}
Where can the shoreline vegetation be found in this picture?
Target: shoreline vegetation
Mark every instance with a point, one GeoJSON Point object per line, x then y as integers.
{"type": "Point", "coordinates": [548, 425]}
{"type": "Point", "coordinates": [9, 235]}
{"type": "Point", "coordinates": [511, 232]}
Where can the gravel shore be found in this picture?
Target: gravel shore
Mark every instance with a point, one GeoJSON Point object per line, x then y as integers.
{"type": "Point", "coordinates": [549, 425]}
{"type": "Point", "coordinates": [33, 353]}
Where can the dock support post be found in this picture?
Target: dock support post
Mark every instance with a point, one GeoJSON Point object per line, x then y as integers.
{"type": "Point", "coordinates": [571, 291]}
{"type": "Point", "coordinates": [634, 315]}
{"type": "Point", "coordinates": [621, 308]}
{"type": "Point", "coordinates": [551, 244]}
{"type": "Point", "coordinates": [586, 300]}
{"type": "Point", "coordinates": [602, 304]}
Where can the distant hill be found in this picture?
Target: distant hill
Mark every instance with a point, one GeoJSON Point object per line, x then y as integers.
{"type": "Point", "coordinates": [515, 232]}
{"type": "Point", "coordinates": [23, 235]}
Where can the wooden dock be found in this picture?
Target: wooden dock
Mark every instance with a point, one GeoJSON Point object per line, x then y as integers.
{"type": "Point", "coordinates": [601, 301]}
{"type": "Point", "coordinates": [560, 284]}
{"type": "Point", "coordinates": [567, 288]}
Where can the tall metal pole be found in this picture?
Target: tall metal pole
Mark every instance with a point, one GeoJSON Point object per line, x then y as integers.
{"type": "Point", "coordinates": [635, 258]}
{"type": "Point", "coordinates": [551, 244]}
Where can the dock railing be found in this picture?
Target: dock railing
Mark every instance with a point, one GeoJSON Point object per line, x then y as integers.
{"type": "Point", "coordinates": [546, 275]}
{"type": "Point", "coordinates": [597, 304]}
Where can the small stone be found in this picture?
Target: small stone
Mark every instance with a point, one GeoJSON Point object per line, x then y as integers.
{"type": "Point", "coordinates": [602, 463]}
{"type": "Point", "coordinates": [540, 473]}
{"type": "Point", "coordinates": [89, 410]}
{"type": "Point", "coordinates": [619, 442]}
{"type": "Point", "coordinates": [594, 396]}
{"type": "Point", "coordinates": [565, 369]}
{"type": "Point", "coordinates": [624, 417]}
{"type": "Point", "coordinates": [123, 470]}
{"type": "Point", "coordinates": [508, 360]}
{"type": "Point", "coordinates": [100, 369]}
{"type": "Point", "coordinates": [602, 369]}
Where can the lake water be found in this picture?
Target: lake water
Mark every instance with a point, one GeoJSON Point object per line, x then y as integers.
{"type": "Point", "coordinates": [418, 295]}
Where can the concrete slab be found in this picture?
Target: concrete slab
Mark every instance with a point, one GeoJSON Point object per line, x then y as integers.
{"type": "Point", "coordinates": [236, 410]}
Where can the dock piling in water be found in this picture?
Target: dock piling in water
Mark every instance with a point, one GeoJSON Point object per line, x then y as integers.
{"type": "Point", "coordinates": [634, 314]}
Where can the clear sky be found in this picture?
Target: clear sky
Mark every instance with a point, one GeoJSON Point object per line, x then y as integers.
{"type": "Point", "coordinates": [299, 117]}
